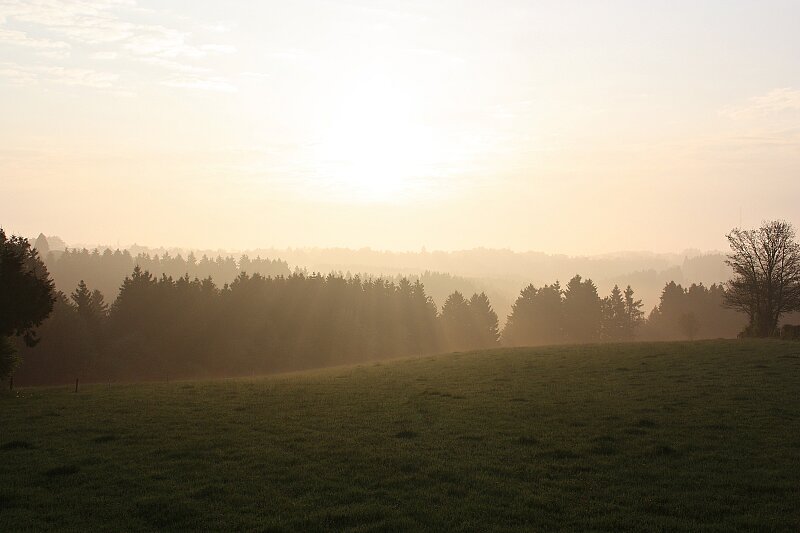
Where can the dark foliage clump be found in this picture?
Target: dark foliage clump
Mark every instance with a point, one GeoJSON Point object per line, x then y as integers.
{"type": "Point", "coordinates": [26, 296]}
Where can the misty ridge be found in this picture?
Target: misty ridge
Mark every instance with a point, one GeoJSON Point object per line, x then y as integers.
{"type": "Point", "coordinates": [499, 273]}
{"type": "Point", "coordinates": [156, 315]}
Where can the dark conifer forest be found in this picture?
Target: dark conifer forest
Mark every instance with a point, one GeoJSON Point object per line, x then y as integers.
{"type": "Point", "coordinates": [264, 319]}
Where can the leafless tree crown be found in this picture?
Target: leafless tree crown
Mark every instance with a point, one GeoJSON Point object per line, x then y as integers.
{"type": "Point", "coordinates": [766, 281]}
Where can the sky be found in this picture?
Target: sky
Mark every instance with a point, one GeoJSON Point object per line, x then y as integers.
{"type": "Point", "coordinates": [565, 127]}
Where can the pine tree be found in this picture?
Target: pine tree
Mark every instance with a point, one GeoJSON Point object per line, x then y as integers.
{"type": "Point", "coordinates": [614, 316]}
{"type": "Point", "coordinates": [485, 332]}
{"type": "Point", "coordinates": [82, 298]}
{"type": "Point", "coordinates": [426, 338]}
{"type": "Point", "coordinates": [689, 325]}
{"type": "Point", "coordinates": [456, 321]}
{"type": "Point", "coordinates": [42, 246]}
{"type": "Point", "coordinates": [98, 304]}
{"type": "Point", "coordinates": [537, 317]}
{"type": "Point", "coordinates": [634, 316]}
{"type": "Point", "coordinates": [582, 311]}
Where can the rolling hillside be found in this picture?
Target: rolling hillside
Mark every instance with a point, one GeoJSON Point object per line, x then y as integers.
{"type": "Point", "coordinates": [700, 436]}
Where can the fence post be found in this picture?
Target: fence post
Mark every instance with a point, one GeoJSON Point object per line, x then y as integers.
{"type": "Point", "coordinates": [76, 385]}
{"type": "Point", "coordinates": [11, 383]}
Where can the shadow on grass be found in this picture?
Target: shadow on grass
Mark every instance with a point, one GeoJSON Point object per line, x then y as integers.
{"type": "Point", "coordinates": [16, 445]}
{"type": "Point", "coordinates": [61, 471]}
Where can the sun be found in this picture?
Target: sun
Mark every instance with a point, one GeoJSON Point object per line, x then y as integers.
{"type": "Point", "coordinates": [375, 147]}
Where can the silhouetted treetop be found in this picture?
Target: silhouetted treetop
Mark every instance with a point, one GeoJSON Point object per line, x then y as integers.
{"type": "Point", "coordinates": [766, 280]}
{"type": "Point", "coordinates": [26, 295]}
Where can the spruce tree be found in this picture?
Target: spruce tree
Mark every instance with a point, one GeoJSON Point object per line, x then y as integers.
{"type": "Point", "coordinates": [485, 332]}
{"type": "Point", "coordinates": [98, 304]}
{"type": "Point", "coordinates": [634, 316]}
{"type": "Point", "coordinates": [82, 298]}
{"type": "Point", "coordinates": [614, 319]}
{"type": "Point", "coordinates": [456, 321]}
{"type": "Point", "coordinates": [582, 311]}
{"type": "Point", "coordinates": [537, 317]}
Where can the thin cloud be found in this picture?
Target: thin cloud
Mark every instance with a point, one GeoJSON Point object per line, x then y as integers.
{"type": "Point", "coordinates": [56, 26]}
{"type": "Point", "coordinates": [174, 66]}
{"type": "Point", "coordinates": [87, 22]}
{"type": "Point", "coordinates": [76, 77]}
{"type": "Point", "coordinates": [202, 84]}
{"type": "Point", "coordinates": [218, 48]}
{"type": "Point", "coordinates": [42, 47]}
{"type": "Point", "coordinates": [775, 101]}
{"type": "Point", "coordinates": [104, 56]}
{"type": "Point", "coordinates": [162, 42]}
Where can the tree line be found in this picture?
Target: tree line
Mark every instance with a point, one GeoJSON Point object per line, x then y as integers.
{"type": "Point", "coordinates": [163, 327]}
{"type": "Point", "coordinates": [172, 327]}
{"type": "Point", "coordinates": [167, 328]}
{"type": "Point", "coordinates": [576, 313]}
{"type": "Point", "coordinates": [103, 269]}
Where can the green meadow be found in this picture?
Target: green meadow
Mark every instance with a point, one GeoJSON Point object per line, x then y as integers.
{"type": "Point", "coordinates": [701, 436]}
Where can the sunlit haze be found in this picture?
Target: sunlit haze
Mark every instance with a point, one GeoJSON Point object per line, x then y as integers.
{"type": "Point", "coordinates": [577, 128]}
{"type": "Point", "coordinates": [419, 265]}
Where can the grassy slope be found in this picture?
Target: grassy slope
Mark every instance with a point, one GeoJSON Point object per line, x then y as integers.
{"type": "Point", "coordinates": [700, 436]}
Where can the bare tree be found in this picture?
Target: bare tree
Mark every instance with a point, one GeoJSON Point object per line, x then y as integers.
{"type": "Point", "coordinates": [766, 282]}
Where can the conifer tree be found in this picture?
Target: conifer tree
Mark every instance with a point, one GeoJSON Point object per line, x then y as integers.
{"type": "Point", "coordinates": [26, 296]}
{"type": "Point", "coordinates": [42, 246]}
{"type": "Point", "coordinates": [582, 311]}
{"type": "Point", "coordinates": [537, 317]}
{"type": "Point", "coordinates": [485, 332]}
{"type": "Point", "coordinates": [98, 304]}
{"type": "Point", "coordinates": [634, 316]}
{"type": "Point", "coordinates": [614, 322]}
{"type": "Point", "coordinates": [456, 322]}
{"type": "Point", "coordinates": [82, 298]}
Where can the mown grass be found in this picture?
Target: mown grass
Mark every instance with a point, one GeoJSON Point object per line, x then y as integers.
{"type": "Point", "coordinates": [700, 436]}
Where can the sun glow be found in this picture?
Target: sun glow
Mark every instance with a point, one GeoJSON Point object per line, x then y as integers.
{"type": "Point", "coordinates": [376, 147]}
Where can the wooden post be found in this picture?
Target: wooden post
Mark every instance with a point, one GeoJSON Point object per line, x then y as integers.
{"type": "Point", "coordinates": [76, 385]}
{"type": "Point", "coordinates": [11, 383]}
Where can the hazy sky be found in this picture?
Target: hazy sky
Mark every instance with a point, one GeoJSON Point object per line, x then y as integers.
{"type": "Point", "coordinates": [575, 127]}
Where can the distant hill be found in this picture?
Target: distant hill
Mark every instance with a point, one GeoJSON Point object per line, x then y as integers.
{"type": "Point", "coordinates": [501, 273]}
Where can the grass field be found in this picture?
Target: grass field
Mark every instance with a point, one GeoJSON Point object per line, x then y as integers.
{"type": "Point", "coordinates": [700, 436]}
